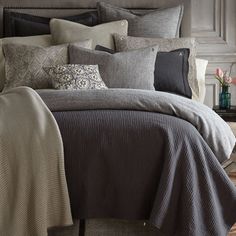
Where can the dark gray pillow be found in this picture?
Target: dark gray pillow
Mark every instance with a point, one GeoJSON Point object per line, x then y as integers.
{"type": "Point", "coordinates": [132, 69]}
{"type": "Point", "coordinates": [171, 71]}
{"type": "Point", "coordinates": [20, 24]}
{"type": "Point", "coordinates": [162, 23]}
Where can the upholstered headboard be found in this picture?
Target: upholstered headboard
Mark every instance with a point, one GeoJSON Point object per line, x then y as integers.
{"type": "Point", "coordinates": [56, 8]}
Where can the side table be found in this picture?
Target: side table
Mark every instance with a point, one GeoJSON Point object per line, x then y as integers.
{"type": "Point", "coordinates": [229, 116]}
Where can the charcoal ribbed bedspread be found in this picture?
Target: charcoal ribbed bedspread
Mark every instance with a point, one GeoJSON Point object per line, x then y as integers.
{"type": "Point", "coordinates": [137, 164]}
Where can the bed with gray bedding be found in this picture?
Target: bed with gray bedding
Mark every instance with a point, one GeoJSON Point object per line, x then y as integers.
{"type": "Point", "coordinates": [137, 155]}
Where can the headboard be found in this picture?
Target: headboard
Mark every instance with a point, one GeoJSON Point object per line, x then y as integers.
{"type": "Point", "coordinates": [56, 8]}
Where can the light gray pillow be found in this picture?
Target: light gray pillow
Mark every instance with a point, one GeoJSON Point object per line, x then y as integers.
{"type": "Point", "coordinates": [162, 23]}
{"type": "Point", "coordinates": [75, 77]}
{"type": "Point", "coordinates": [126, 43]}
{"type": "Point", "coordinates": [133, 69]}
{"type": "Point", "coordinates": [24, 63]}
{"type": "Point", "coordinates": [64, 31]}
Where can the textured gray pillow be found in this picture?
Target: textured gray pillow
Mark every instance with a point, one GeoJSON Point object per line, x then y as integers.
{"type": "Point", "coordinates": [162, 23]}
{"type": "Point", "coordinates": [24, 63]}
{"type": "Point", "coordinates": [126, 43]}
{"type": "Point", "coordinates": [41, 40]}
{"type": "Point", "coordinates": [64, 31]}
{"type": "Point", "coordinates": [133, 69]}
{"type": "Point", "coordinates": [75, 77]}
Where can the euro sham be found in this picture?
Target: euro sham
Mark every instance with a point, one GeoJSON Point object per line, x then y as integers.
{"type": "Point", "coordinates": [162, 23]}
{"type": "Point", "coordinates": [41, 40]}
{"type": "Point", "coordinates": [133, 69]}
{"type": "Point", "coordinates": [21, 24]}
{"type": "Point", "coordinates": [67, 32]}
{"type": "Point", "coordinates": [24, 64]}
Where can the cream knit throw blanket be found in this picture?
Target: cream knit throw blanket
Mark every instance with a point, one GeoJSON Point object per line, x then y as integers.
{"type": "Point", "coordinates": [33, 189]}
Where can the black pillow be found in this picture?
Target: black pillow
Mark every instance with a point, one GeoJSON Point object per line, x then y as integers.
{"type": "Point", "coordinates": [171, 71]}
{"type": "Point", "coordinates": [20, 24]}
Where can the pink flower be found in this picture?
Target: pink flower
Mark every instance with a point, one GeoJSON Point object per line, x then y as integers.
{"type": "Point", "coordinates": [234, 80]}
{"type": "Point", "coordinates": [227, 79]}
{"type": "Point", "coordinates": [219, 73]}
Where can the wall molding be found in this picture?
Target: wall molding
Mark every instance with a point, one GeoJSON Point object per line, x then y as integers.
{"type": "Point", "coordinates": [214, 27]}
{"type": "Point", "coordinates": [212, 86]}
{"type": "Point", "coordinates": [213, 35]}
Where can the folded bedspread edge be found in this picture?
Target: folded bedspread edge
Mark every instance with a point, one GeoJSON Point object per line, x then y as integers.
{"type": "Point", "coordinates": [212, 128]}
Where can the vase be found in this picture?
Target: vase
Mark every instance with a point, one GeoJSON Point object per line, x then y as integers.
{"type": "Point", "coordinates": [225, 98]}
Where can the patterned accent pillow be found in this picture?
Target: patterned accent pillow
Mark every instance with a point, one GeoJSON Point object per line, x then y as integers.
{"type": "Point", "coordinates": [24, 63]}
{"type": "Point", "coordinates": [75, 77]}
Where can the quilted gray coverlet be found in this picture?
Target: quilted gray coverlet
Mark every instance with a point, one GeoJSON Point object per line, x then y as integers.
{"type": "Point", "coordinates": [213, 129]}
{"type": "Point", "coordinates": [126, 160]}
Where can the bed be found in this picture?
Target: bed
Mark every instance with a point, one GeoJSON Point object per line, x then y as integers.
{"type": "Point", "coordinates": [124, 152]}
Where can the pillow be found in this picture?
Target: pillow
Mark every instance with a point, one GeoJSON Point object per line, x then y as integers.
{"type": "Point", "coordinates": [42, 40]}
{"type": "Point", "coordinates": [201, 65]}
{"type": "Point", "coordinates": [104, 49]}
{"type": "Point", "coordinates": [24, 64]}
{"type": "Point", "coordinates": [66, 32]}
{"type": "Point", "coordinates": [162, 23]}
{"type": "Point", "coordinates": [124, 43]}
{"type": "Point", "coordinates": [133, 69]}
{"type": "Point", "coordinates": [20, 24]}
{"type": "Point", "coordinates": [75, 77]}
{"type": "Point", "coordinates": [171, 71]}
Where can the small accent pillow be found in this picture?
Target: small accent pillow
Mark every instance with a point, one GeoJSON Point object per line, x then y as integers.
{"type": "Point", "coordinates": [162, 23]}
{"type": "Point", "coordinates": [171, 71]}
{"type": "Point", "coordinates": [132, 69]}
{"type": "Point", "coordinates": [20, 24]}
{"type": "Point", "coordinates": [126, 43]}
{"type": "Point", "coordinates": [68, 32]}
{"type": "Point", "coordinates": [75, 77]}
{"type": "Point", "coordinates": [24, 64]}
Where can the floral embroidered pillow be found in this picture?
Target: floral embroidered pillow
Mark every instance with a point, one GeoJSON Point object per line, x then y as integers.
{"type": "Point", "coordinates": [75, 77]}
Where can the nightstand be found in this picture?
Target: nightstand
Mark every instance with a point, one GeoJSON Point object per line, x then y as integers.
{"type": "Point", "coordinates": [229, 116]}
